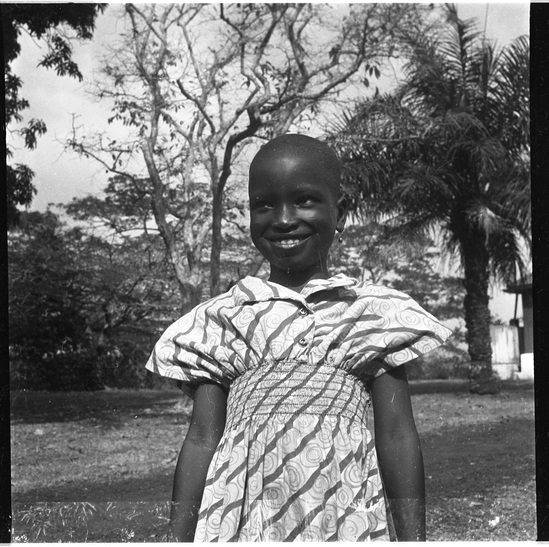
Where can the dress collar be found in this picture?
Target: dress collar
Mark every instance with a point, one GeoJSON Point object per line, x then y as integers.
{"type": "Point", "coordinates": [254, 289]}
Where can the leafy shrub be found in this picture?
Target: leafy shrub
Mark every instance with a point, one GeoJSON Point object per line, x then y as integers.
{"type": "Point", "coordinates": [443, 363]}
{"type": "Point", "coordinates": [92, 369]}
{"type": "Point", "coordinates": [71, 371]}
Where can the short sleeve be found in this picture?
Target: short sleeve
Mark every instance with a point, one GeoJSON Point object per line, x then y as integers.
{"type": "Point", "coordinates": [191, 352]}
{"type": "Point", "coordinates": [397, 330]}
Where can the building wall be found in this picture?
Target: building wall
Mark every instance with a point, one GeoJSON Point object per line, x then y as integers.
{"type": "Point", "coordinates": [507, 360]}
{"type": "Point", "coordinates": [505, 345]}
{"type": "Point", "coordinates": [505, 350]}
{"type": "Point", "coordinates": [526, 371]}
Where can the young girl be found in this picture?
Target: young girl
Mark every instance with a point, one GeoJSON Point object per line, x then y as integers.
{"type": "Point", "coordinates": [282, 373]}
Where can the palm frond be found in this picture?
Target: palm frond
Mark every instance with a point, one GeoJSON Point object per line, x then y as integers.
{"type": "Point", "coordinates": [423, 183]}
{"type": "Point", "coordinates": [458, 48]}
{"type": "Point", "coordinates": [511, 199]}
{"type": "Point", "coordinates": [506, 254]}
{"type": "Point", "coordinates": [510, 92]}
{"type": "Point", "coordinates": [514, 63]}
{"type": "Point", "coordinates": [450, 147]}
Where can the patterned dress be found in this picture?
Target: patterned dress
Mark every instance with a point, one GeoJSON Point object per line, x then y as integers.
{"type": "Point", "coordinates": [296, 461]}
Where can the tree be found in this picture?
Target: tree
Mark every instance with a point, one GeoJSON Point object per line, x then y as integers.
{"type": "Point", "coordinates": [195, 83]}
{"type": "Point", "coordinates": [449, 150]}
{"type": "Point", "coordinates": [370, 252]}
{"type": "Point", "coordinates": [126, 214]}
{"type": "Point", "coordinates": [75, 299]}
{"type": "Point", "coordinates": [51, 23]}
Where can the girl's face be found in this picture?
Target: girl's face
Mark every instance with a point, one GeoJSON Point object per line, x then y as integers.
{"type": "Point", "coordinates": [294, 214]}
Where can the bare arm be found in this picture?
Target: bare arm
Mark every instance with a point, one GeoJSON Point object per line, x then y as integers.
{"type": "Point", "coordinates": [205, 431]}
{"type": "Point", "coordinates": [399, 453]}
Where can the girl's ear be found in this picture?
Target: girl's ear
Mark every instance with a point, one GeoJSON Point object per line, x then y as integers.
{"type": "Point", "coordinates": [342, 204]}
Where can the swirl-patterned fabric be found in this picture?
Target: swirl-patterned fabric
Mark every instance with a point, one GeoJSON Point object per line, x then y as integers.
{"type": "Point", "coordinates": [296, 461]}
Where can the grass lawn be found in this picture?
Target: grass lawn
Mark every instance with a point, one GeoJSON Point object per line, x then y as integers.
{"type": "Point", "coordinates": [98, 466]}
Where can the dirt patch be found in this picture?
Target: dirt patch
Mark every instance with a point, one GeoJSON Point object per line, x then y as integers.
{"type": "Point", "coordinates": [120, 447]}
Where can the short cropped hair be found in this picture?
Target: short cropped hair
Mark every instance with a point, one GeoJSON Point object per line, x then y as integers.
{"type": "Point", "coordinates": [299, 144]}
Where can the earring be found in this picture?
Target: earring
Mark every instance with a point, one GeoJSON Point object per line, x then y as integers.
{"type": "Point", "coordinates": [340, 238]}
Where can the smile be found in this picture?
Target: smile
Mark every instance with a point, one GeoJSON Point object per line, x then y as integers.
{"type": "Point", "coordinates": [287, 243]}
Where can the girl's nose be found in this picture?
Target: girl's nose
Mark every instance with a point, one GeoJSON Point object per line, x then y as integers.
{"type": "Point", "coordinates": [284, 217]}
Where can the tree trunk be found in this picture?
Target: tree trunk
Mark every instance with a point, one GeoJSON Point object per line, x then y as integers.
{"type": "Point", "coordinates": [191, 295]}
{"type": "Point", "coordinates": [217, 242]}
{"type": "Point", "coordinates": [482, 378]}
{"type": "Point", "coordinates": [189, 279]}
{"type": "Point", "coordinates": [218, 189]}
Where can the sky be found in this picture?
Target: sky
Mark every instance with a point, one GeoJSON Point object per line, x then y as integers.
{"type": "Point", "coordinates": [62, 175]}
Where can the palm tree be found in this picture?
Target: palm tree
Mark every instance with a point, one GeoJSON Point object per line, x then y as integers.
{"type": "Point", "coordinates": [449, 150]}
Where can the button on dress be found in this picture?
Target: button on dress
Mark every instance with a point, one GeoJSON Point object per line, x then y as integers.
{"type": "Point", "coordinates": [297, 460]}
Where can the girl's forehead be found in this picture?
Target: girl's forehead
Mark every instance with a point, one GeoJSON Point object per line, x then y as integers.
{"type": "Point", "coordinates": [288, 165]}
{"type": "Point", "coordinates": [294, 183]}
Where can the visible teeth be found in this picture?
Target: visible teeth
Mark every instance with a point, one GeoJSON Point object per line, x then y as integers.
{"type": "Point", "coordinates": [288, 242]}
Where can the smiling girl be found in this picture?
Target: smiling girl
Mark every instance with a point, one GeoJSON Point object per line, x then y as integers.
{"type": "Point", "coordinates": [282, 372]}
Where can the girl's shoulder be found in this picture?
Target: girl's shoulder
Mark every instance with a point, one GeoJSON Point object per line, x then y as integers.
{"type": "Point", "coordinates": [367, 289]}
{"type": "Point", "coordinates": [239, 292]}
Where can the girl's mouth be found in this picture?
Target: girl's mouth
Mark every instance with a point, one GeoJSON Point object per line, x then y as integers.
{"type": "Point", "coordinates": [288, 243]}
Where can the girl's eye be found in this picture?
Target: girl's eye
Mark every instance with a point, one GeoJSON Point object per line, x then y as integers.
{"type": "Point", "coordinates": [305, 201]}
{"type": "Point", "coordinates": [260, 204]}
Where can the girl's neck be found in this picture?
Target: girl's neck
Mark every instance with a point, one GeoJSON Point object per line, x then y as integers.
{"type": "Point", "coordinates": [295, 280]}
